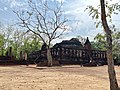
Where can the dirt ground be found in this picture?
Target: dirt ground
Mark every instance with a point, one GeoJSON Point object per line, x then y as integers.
{"type": "Point", "coordinates": [69, 77]}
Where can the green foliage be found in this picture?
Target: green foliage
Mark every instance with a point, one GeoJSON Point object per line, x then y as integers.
{"type": "Point", "coordinates": [96, 14]}
{"type": "Point", "coordinates": [116, 44]}
{"type": "Point", "coordinates": [18, 40]}
{"type": "Point", "coordinates": [2, 38]}
{"type": "Point", "coordinates": [31, 43]}
{"type": "Point", "coordinates": [100, 43]}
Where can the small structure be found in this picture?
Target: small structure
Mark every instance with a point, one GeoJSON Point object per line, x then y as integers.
{"type": "Point", "coordinates": [71, 52]}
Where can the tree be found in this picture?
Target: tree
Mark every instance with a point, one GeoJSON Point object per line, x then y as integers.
{"type": "Point", "coordinates": [2, 38]}
{"type": "Point", "coordinates": [30, 43]}
{"type": "Point", "coordinates": [100, 41]}
{"type": "Point", "coordinates": [6, 34]}
{"type": "Point", "coordinates": [95, 14]}
{"type": "Point", "coordinates": [15, 41]}
{"type": "Point", "coordinates": [111, 70]}
{"type": "Point", "coordinates": [44, 20]}
{"type": "Point", "coordinates": [116, 45]}
{"type": "Point", "coordinates": [19, 41]}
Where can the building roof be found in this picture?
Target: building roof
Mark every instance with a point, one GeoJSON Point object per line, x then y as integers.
{"type": "Point", "coordinates": [72, 43]}
{"type": "Point", "coordinates": [87, 42]}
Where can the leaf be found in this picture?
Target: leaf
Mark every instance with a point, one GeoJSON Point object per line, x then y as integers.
{"type": "Point", "coordinates": [97, 24]}
{"type": "Point", "coordinates": [97, 16]}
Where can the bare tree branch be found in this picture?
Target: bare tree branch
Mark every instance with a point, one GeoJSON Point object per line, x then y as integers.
{"type": "Point", "coordinates": [43, 20]}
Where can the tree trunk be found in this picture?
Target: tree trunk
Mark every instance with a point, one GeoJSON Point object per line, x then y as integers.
{"type": "Point", "coordinates": [49, 57]}
{"type": "Point", "coordinates": [2, 51]}
{"type": "Point", "coordinates": [111, 70]}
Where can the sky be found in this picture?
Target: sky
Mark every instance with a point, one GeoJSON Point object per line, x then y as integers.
{"type": "Point", "coordinates": [74, 10]}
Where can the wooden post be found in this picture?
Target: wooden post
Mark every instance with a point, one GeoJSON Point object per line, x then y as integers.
{"type": "Point", "coordinates": [7, 54]}
{"type": "Point", "coordinates": [25, 56]}
{"type": "Point", "coordinates": [10, 53]}
{"type": "Point", "coordinates": [2, 51]}
{"type": "Point", "coordinates": [21, 55]}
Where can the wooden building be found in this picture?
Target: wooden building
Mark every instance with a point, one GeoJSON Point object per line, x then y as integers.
{"type": "Point", "coordinates": [71, 52]}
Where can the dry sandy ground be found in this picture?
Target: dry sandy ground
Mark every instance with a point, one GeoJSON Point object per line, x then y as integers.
{"type": "Point", "coordinates": [71, 77]}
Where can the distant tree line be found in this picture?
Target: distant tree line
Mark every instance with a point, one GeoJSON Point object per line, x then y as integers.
{"type": "Point", "coordinates": [19, 40]}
